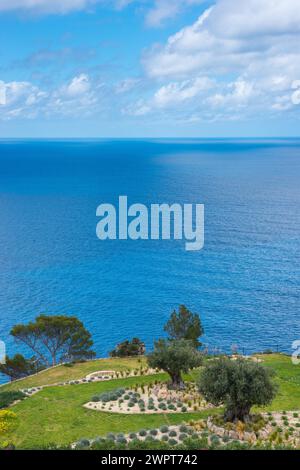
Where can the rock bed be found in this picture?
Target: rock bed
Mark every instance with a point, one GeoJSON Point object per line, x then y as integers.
{"type": "Point", "coordinates": [172, 435]}
{"type": "Point", "coordinates": [149, 399]}
{"type": "Point", "coordinates": [99, 376]}
{"type": "Point", "coordinates": [279, 428]}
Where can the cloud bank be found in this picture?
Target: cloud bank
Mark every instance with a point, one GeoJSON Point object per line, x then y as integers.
{"type": "Point", "coordinates": [250, 49]}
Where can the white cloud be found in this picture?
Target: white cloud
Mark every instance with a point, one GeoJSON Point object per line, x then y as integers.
{"type": "Point", "coordinates": [249, 18]}
{"type": "Point", "coordinates": [249, 49]}
{"type": "Point", "coordinates": [165, 9]}
{"type": "Point", "coordinates": [57, 6]}
{"type": "Point", "coordinates": [221, 41]}
{"type": "Point", "coordinates": [140, 108]}
{"type": "Point", "coordinates": [178, 92]}
{"type": "Point", "coordinates": [237, 94]}
{"type": "Point", "coordinates": [20, 98]}
{"type": "Point", "coordinates": [45, 6]}
{"type": "Point", "coordinates": [2, 93]}
{"type": "Point", "coordinates": [126, 85]}
{"type": "Point", "coordinates": [77, 86]}
{"type": "Point", "coordinates": [23, 99]}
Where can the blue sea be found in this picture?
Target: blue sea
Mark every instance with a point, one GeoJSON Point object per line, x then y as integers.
{"type": "Point", "coordinates": [244, 283]}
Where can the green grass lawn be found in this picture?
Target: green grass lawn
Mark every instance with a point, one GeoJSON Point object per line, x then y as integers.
{"type": "Point", "coordinates": [56, 415]}
{"type": "Point", "coordinates": [288, 378]}
{"type": "Point", "coordinates": [77, 371]}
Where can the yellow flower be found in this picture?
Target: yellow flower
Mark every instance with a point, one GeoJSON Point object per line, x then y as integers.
{"type": "Point", "coordinates": [7, 421]}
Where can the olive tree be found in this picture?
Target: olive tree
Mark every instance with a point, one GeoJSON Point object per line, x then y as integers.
{"type": "Point", "coordinates": [175, 357]}
{"type": "Point", "coordinates": [238, 385]}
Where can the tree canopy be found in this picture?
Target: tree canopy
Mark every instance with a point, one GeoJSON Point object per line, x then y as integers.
{"type": "Point", "coordinates": [184, 325]}
{"type": "Point", "coordinates": [54, 339]}
{"type": "Point", "coordinates": [127, 348]}
{"type": "Point", "coordinates": [18, 367]}
{"type": "Point", "coordinates": [238, 385]}
{"type": "Point", "coordinates": [175, 357]}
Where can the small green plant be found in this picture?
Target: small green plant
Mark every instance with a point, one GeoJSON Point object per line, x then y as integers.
{"type": "Point", "coordinates": [164, 429]}
{"type": "Point", "coordinates": [172, 442]}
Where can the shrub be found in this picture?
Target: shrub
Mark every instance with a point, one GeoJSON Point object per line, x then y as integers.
{"type": "Point", "coordinates": [182, 436]}
{"type": "Point", "coordinates": [164, 429]}
{"type": "Point", "coordinates": [183, 428]}
{"type": "Point", "coordinates": [172, 433]}
{"type": "Point", "coordinates": [7, 398]}
{"type": "Point", "coordinates": [110, 436]}
{"type": "Point", "coordinates": [8, 421]}
{"type": "Point", "coordinates": [83, 443]}
{"type": "Point", "coordinates": [143, 432]}
{"type": "Point", "coordinates": [153, 432]}
{"type": "Point", "coordinates": [132, 435]}
{"type": "Point", "coordinates": [172, 442]}
{"type": "Point", "coordinates": [121, 440]}
{"type": "Point", "coordinates": [95, 398]}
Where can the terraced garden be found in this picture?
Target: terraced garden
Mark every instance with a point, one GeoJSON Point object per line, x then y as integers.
{"type": "Point", "coordinates": [56, 414]}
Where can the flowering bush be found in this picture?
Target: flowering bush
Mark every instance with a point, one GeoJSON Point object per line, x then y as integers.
{"type": "Point", "coordinates": [7, 421]}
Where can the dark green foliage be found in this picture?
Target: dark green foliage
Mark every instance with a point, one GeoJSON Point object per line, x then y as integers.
{"type": "Point", "coordinates": [135, 347]}
{"type": "Point", "coordinates": [238, 384]}
{"type": "Point", "coordinates": [175, 357]}
{"type": "Point", "coordinates": [112, 395]}
{"type": "Point", "coordinates": [164, 429]}
{"type": "Point", "coordinates": [184, 325]}
{"type": "Point", "coordinates": [7, 398]}
{"type": "Point", "coordinates": [55, 339]}
{"type": "Point", "coordinates": [18, 367]}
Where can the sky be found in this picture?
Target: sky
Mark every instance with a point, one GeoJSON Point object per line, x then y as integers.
{"type": "Point", "coordinates": [149, 68]}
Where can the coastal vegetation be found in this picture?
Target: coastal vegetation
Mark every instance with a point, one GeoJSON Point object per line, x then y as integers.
{"type": "Point", "coordinates": [131, 403]}
{"type": "Point", "coordinates": [184, 325]}
{"type": "Point", "coordinates": [56, 417]}
{"type": "Point", "coordinates": [127, 348]}
{"type": "Point", "coordinates": [175, 357]}
{"type": "Point", "coordinates": [239, 385]}
{"type": "Point", "coordinates": [52, 340]}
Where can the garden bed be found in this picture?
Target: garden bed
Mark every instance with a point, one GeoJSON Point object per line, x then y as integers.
{"type": "Point", "coordinates": [152, 398]}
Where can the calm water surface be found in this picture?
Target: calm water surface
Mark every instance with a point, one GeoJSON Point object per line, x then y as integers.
{"type": "Point", "coordinates": [244, 283]}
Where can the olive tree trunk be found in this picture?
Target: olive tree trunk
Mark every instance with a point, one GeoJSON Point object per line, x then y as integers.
{"type": "Point", "coordinates": [238, 413]}
{"type": "Point", "coordinates": [176, 381]}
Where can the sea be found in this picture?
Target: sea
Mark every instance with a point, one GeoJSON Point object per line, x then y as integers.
{"type": "Point", "coordinates": [244, 283]}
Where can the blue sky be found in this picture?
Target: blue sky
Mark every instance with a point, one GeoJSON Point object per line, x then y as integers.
{"type": "Point", "coordinates": [149, 68]}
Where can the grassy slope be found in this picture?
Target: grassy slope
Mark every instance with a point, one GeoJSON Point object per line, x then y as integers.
{"type": "Point", "coordinates": [56, 414]}
{"type": "Point", "coordinates": [78, 371]}
{"type": "Point", "coordinates": [288, 379]}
